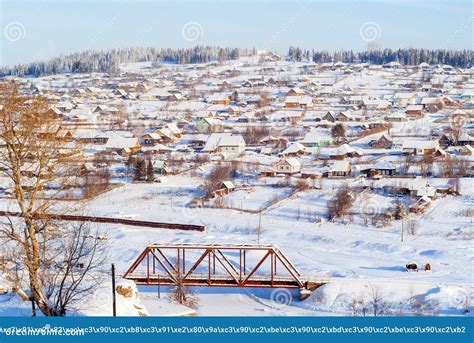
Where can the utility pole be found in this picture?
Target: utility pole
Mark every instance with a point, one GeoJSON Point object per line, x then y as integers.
{"type": "Point", "coordinates": [114, 303]}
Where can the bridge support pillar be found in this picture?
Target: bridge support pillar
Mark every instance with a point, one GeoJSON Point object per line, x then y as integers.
{"type": "Point", "coordinates": [304, 293]}
{"type": "Point", "coordinates": [308, 288]}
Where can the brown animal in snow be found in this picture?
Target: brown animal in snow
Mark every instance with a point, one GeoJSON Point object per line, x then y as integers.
{"type": "Point", "coordinates": [427, 267]}
{"type": "Point", "coordinates": [411, 267]}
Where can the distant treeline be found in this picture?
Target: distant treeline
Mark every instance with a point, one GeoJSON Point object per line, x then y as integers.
{"type": "Point", "coordinates": [455, 58]}
{"type": "Point", "coordinates": [107, 61]}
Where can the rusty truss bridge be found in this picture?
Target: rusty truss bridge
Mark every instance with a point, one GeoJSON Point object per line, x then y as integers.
{"type": "Point", "coordinates": [218, 265]}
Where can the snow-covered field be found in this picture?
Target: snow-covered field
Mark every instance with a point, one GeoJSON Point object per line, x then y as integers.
{"type": "Point", "coordinates": [357, 258]}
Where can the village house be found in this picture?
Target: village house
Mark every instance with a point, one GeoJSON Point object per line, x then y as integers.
{"type": "Point", "coordinates": [403, 99]}
{"type": "Point", "coordinates": [383, 142]}
{"type": "Point", "coordinates": [160, 167]}
{"type": "Point", "coordinates": [295, 91]}
{"type": "Point", "coordinates": [150, 139]}
{"type": "Point", "coordinates": [273, 144]}
{"type": "Point", "coordinates": [219, 99]}
{"type": "Point", "coordinates": [168, 133]}
{"type": "Point", "coordinates": [248, 117]}
{"type": "Point", "coordinates": [432, 104]}
{"type": "Point", "coordinates": [418, 187]}
{"type": "Point", "coordinates": [414, 110]}
{"type": "Point", "coordinates": [157, 94]}
{"type": "Point", "coordinates": [90, 136]}
{"type": "Point", "coordinates": [124, 146]}
{"type": "Point", "coordinates": [294, 149]}
{"type": "Point", "coordinates": [292, 116]}
{"type": "Point", "coordinates": [339, 169]}
{"type": "Point", "coordinates": [156, 149]}
{"type": "Point", "coordinates": [375, 105]}
{"type": "Point", "coordinates": [225, 188]}
{"type": "Point", "coordinates": [330, 116]}
{"type": "Point", "coordinates": [210, 125]}
{"type": "Point", "coordinates": [298, 102]}
{"type": "Point", "coordinates": [468, 95]}
{"type": "Point", "coordinates": [344, 116]}
{"type": "Point", "coordinates": [287, 166]}
{"type": "Point", "coordinates": [396, 117]}
{"type": "Point", "coordinates": [379, 168]}
{"type": "Point", "coordinates": [466, 150]}
{"type": "Point", "coordinates": [225, 143]}
{"type": "Point", "coordinates": [421, 148]}
{"type": "Point", "coordinates": [465, 139]}
{"type": "Point", "coordinates": [269, 140]}
{"type": "Point", "coordinates": [446, 140]}
{"type": "Point", "coordinates": [318, 138]}
{"type": "Point", "coordinates": [311, 173]}
{"type": "Point", "coordinates": [344, 151]}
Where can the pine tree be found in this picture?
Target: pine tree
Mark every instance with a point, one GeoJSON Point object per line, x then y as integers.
{"type": "Point", "coordinates": [150, 174]}
{"type": "Point", "coordinates": [140, 169]}
{"type": "Point", "coordinates": [400, 210]}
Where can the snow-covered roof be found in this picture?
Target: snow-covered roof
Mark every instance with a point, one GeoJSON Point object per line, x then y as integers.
{"type": "Point", "coordinates": [316, 135]}
{"type": "Point", "coordinates": [121, 142]}
{"type": "Point", "coordinates": [216, 140]}
{"type": "Point", "coordinates": [340, 166]}
{"type": "Point", "coordinates": [294, 148]}
{"type": "Point", "coordinates": [412, 144]}
{"type": "Point", "coordinates": [290, 161]}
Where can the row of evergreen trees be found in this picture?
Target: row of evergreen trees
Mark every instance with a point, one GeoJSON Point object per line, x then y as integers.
{"type": "Point", "coordinates": [455, 58]}
{"type": "Point", "coordinates": [107, 61]}
{"type": "Point", "coordinates": [142, 168]}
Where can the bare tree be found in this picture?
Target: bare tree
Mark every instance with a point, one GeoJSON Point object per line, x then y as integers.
{"type": "Point", "coordinates": [253, 134]}
{"type": "Point", "coordinates": [341, 203]}
{"type": "Point", "coordinates": [79, 256]}
{"type": "Point", "coordinates": [455, 184]}
{"type": "Point", "coordinates": [377, 302]}
{"type": "Point", "coordinates": [182, 294]}
{"type": "Point", "coordinates": [453, 167]}
{"type": "Point", "coordinates": [358, 305]}
{"type": "Point", "coordinates": [40, 164]}
{"type": "Point", "coordinates": [420, 306]}
{"type": "Point", "coordinates": [412, 227]}
{"type": "Point", "coordinates": [122, 116]}
{"type": "Point", "coordinates": [406, 163]}
{"type": "Point", "coordinates": [220, 173]}
{"type": "Point", "coordinates": [426, 165]}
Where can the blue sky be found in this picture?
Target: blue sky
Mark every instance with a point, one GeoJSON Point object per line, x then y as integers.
{"type": "Point", "coordinates": [38, 30]}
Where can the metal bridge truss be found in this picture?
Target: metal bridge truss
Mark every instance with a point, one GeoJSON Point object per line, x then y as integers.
{"type": "Point", "coordinates": [218, 265]}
